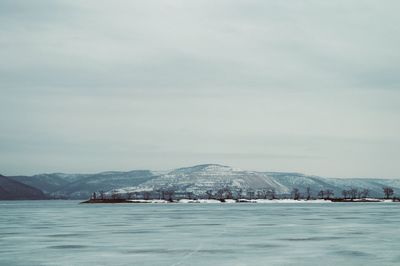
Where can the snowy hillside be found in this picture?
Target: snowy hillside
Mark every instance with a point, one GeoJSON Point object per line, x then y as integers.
{"type": "Point", "coordinates": [199, 180]}
{"type": "Point", "coordinates": [202, 178]}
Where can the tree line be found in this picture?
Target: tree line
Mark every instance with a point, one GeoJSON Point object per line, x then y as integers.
{"type": "Point", "coordinates": [224, 193]}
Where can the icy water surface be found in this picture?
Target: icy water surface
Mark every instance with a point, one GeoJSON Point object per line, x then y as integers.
{"type": "Point", "coordinates": [65, 233]}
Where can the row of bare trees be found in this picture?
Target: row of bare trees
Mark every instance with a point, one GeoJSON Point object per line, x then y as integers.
{"type": "Point", "coordinates": [322, 194]}
{"type": "Point", "coordinates": [229, 193]}
{"type": "Point", "coordinates": [354, 193]}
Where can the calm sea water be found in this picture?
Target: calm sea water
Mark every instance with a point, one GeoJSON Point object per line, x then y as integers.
{"type": "Point", "coordinates": [66, 233]}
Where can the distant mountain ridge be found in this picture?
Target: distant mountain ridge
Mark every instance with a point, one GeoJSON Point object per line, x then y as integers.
{"type": "Point", "coordinates": [13, 190]}
{"type": "Point", "coordinates": [81, 186]}
{"type": "Point", "coordinates": [201, 178]}
{"type": "Point", "coordinates": [196, 179]}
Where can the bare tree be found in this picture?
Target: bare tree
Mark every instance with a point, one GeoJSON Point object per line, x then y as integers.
{"type": "Point", "coordinates": [220, 194]}
{"type": "Point", "coordinates": [160, 196]}
{"type": "Point", "coordinates": [250, 193]}
{"type": "Point", "coordinates": [114, 194]}
{"type": "Point", "coordinates": [209, 194]}
{"type": "Point", "coordinates": [130, 194]}
{"type": "Point", "coordinates": [146, 195]}
{"type": "Point", "coordinates": [365, 193]}
{"type": "Point", "coordinates": [353, 193]}
{"type": "Point", "coordinates": [169, 194]}
{"type": "Point", "coordinates": [273, 193]}
{"type": "Point", "coordinates": [102, 194]}
{"type": "Point", "coordinates": [228, 193]}
{"type": "Point", "coordinates": [329, 193]}
{"type": "Point", "coordinates": [321, 194]}
{"type": "Point", "coordinates": [345, 194]}
{"type": "Point", "coordinates": [189, 195]}
{"type": "Point", "coordinates": [296, 193]}
{"type": "Point", "coordinates": [388, 191]}
{"type": "Point", "coordinates": [265, 193]}
{"type": "Point", "coordinates": [308, 193]}
{"type": "Point", "coordinates": [239, 193]}
{"type": "Point", "coordinates": [259, 194]}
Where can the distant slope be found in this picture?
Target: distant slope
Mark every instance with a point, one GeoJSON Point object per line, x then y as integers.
{"type": "Point", "coordinates": [13, 190]}
{"type": "Point", "coordinates": [337, 185]}
{"type": "Point", "coordinates": [80, 186]}
{"type": "Point", "coordinates": [300, 181]}
{"type": "Point", "coordinates": [85, 186]}
{"type": "Point", "coordinates": [48, 183]}
{"type": "Point", "coordinates": [201, 178]}
{"type": "Point", "coordinates": [198, 179]}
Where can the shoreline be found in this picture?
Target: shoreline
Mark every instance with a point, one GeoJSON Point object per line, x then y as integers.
{"type": "Point", "coordinates": [231, 201]}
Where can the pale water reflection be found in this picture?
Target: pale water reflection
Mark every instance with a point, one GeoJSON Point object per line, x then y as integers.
{"type": "Point", "coordinates": [65, 233]}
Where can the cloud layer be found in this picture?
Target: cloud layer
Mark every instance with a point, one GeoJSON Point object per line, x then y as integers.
{"type": "Point", "coordinates": [270, 85]}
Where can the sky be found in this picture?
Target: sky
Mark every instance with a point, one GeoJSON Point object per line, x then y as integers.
{"type": "Point", "coordinates": [296, 86]}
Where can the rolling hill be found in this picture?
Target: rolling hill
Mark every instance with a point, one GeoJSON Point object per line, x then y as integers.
{"type": "Point", "coordinates": [13, 190]}
{"type": "Point", "coordinates": [197, 180]}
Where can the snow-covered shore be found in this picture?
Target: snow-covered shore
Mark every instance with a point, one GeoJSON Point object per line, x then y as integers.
{"type": "Point", "coordinates": [259, 201]}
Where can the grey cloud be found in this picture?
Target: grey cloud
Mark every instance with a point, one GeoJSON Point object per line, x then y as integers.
{"type": "Point", "coordinates": [253, 84]}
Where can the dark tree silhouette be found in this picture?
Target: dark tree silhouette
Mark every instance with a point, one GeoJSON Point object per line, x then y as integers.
{"type": "Point", "coordinates": [321, 194]}
{"type": "Point", "coordinates": [353, 193]}
{"type": "Point", "coordinates": [260, 194]}
{"type": "Point", "coordinates": [102, 194]}
{"type": "Point", "coordinates": [146, 195]}
{"type": "Point", "coordinates": [189, 195]}
{"type": "Point", "coordinates": [239, 193]}
{"type": "Point", "coordinates": [365, 193]}
{"type": "Point", "coordinates": [114, 194]}
{"type": "Point", "coordinates": [265, 193]}
{"type": "Point", "coordinates": [209, 194]}
{"type": "Point", "coordinates": [308, 193]}
{"type": "Point", "coordinates": [169, 194]}
{"type": "Point", "coordinates": [273, 193]}
{"type": "Point", "coordinates": [345, 194]}
{"type": "Point", "coordinates": [228, 193]}
{"type": "Point", "coordinates": [250, 193]}
{"type": "Point", "coordinates": [295, 193]}
{"type": "Point", "coordinates": [130, 194]}
{"type": "Point", "coordinates": [220, 194]}
{"type": "Point", "coordinates": [160, 196]}
{"type": "Point", "coordinates": [388, 191]}
{"type": "Point", "coordinates": [329, 193]}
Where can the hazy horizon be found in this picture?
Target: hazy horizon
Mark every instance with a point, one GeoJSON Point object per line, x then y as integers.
{"type": "Point", "coordinates": [306, 86]}
{"type": "Point", "coordinates": [190, 166]}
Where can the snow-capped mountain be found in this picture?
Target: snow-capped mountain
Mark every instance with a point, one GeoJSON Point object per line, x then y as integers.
{"type": "Point", "coordinates": [201, 178]}
{"type": "Point", "coordinates": [198, 180]}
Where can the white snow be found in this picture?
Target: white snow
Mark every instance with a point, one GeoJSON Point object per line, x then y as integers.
{"type": "Point", "coordinates": [199, 201]}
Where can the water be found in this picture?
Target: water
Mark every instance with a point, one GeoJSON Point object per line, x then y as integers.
{"type": "Point", "coordinates": [65, 233]}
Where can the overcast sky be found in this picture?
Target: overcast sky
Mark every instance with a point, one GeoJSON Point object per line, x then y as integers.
{"type": "Point", "coordinates": [300, 86]}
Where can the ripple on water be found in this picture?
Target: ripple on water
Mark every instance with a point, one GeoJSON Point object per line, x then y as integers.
{"type": "Point", "coordinates": [351, 253]}
{"type": "Point", "coordinates": [67, 247]}
{"type": "Point", "coordinates": [266, 224]}
{"type": "Point", "coordinates": [133, 232]}
{"type": "Point", "coordinates": [66, 235]}
{"type": "Point", "coordinates": [9, 233]}
{"type": "Point", "coordinates": [315, 238]}
{"type": "Point", "coordinates": [191, 225]}
{"type": "Point", "coordinates": [264, 245]}
{"type": "Point", "coordinates": [176, 251]}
